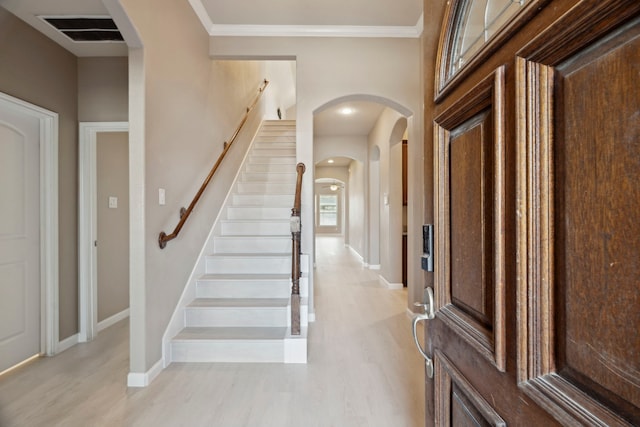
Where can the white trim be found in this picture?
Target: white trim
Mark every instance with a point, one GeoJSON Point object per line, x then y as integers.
{"type": "Point", "coordinates": [388, 285]}
{"type": "Point", "coordinates": [110, 321]}
{"type": "Point", "coordinates": [356, 254]}
{"type": "Point", "coordinates": [375, 267]}
{"type": "Point", "coordinates": [373, 31]}
{"type": "Point", "coordinates": [48, 220]}
{"type": "Point", "coordinates": [360, 31]}
{"type": "Point", "coordinates": [67, 343]}
{"type": "Point", "coordinates": [135, 379]}
{"type": "Point", "coordinates": [87, 225]}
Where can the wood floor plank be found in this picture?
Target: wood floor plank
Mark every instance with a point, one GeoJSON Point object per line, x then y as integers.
{"type": "Point", "coordinates": [362, 372]}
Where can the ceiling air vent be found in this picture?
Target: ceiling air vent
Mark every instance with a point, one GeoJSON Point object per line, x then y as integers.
{"type": "Point", "coordinates": [86, 29]}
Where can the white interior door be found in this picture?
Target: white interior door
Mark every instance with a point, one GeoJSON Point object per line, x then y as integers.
{"type": "Point", "coordinates": [19, 236]}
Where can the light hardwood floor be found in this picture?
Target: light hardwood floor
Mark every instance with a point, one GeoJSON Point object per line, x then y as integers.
{"type": "Point", "coordinates": [362, 371]}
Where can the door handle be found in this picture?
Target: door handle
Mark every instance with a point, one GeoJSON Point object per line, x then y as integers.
{"type": "Point", "coordinates": [429, 313]}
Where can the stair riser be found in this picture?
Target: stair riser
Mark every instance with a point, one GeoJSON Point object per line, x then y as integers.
{"type": "Point", "coordinates": [209, 289]}
{"type": "Point", "coordinates": [236, 317]}
{"type": "Point", "coordinates": [266, 160]}
{"type": "Point", "coordinates": [264, 168]}
{"type": "Point", "coordinates": [268, 152]}
{"type": "Point", "coordinates": [249, 289]}
{"type": "Point", "coordinates": [258, 213]}
{"type": "Point", "coordinates": [255, 265]}
{"type": "Point", "coordinates": [262, 200]}
{"type": "Point", "coordinates": [275, 177]}
{"type": "Point", "coordinates": [264, 228]}
{"type": "Point", "coordinates": [228, 351]}
{"type": "Point", "coordinates": [266, 187]}
{"type": "Point", "coordinates": [265, 144]}
{"type": "Point", "coordinates": [243, 245]}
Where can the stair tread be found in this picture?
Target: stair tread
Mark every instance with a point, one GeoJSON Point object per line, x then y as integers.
{"type": "Point", "coordinates": [239, 303]}
{"type": "Point", "coordinates": [260, 236]}
{"type": "Point", "coordinates": [251, 254]}
{"type": "Point", "coordinates": [257, 220]}
{"type": "Point", "coordinates": [246, 276]}
{"type": "Point", "coordinates": [231, 333]}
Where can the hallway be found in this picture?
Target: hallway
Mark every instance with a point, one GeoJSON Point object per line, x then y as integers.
{"type": "Point", "coordinates": [362, 371]}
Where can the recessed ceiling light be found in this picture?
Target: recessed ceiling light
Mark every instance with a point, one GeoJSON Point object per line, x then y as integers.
{"type": "Point", "coordinates": [346, 111]}
{"type": "Point", "coordinates": [330, 161]}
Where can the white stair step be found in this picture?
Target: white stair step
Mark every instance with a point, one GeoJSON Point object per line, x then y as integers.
{"type": "Point", "coordinates": [244, 286]}
{"type": "Point", "coordinates": [255, 244]}
{"type": "Point", "coordinates": [258, 312]}
{"type": "Point", "coordinates": [278, 177]}
{"type": "Point", "coordinates": [259, 199]}
{"type": "Point", "coordinates": [279, 124]}
{"type": "Point", "coordinates": [268, 160]}
{"type": "Point", "coordinates": [258, 212]}
{"type": "Point", "coordinates": [267, 167]}
{"type": "Point", "coordinates": [242, 263]}
{"type": "Point", "coordinates": [266, 187]}
{"type": "Point", "coordinates": [232, 345]}
{"type": "Point", "coordinates": [271, 227]}
{"type": "Point", "coordinates": [274, 142]}
{"type": "Point", "coordinates": [258, 152]}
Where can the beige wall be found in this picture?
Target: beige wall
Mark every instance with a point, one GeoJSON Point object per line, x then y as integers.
{"type": "Point", "coordinates": [387, 136]}
{"type": "Point", "coordinates": [357, 209]}
{"type": "Point", "coordinates": [112, 180]}
{"type": "Point", "coordinates": [185, 107]}
{"type": "Point", "coordinates": [103, 89]}
{"type": "Point", "coordinates": [37, 70]}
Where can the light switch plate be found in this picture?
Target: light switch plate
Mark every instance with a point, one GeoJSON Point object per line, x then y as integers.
{"type": "Point", "coordinates": [113, 202]}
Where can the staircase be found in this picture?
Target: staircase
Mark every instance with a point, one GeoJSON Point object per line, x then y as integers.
{"type": "Point", "coordinates": [241, 310]}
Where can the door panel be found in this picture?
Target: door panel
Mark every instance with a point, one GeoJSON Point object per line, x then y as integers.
{"type": "Point", "coordinates": [583, 363]}
{"type": "Point", "coordinates": [459, 403]}
{"type": "Point", "coordinates": [470, 241]}
{"type": "Point", "coordinates": [19, 237]}
{"type": "Point", "coordinates": [537, 222]}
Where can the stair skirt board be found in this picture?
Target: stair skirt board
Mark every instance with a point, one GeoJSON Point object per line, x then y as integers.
{"type": "Point", "coordinates": [236, 304]}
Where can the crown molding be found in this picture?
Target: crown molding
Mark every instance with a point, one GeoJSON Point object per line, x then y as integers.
{"type": "Point", "coordinates": [236, 30]}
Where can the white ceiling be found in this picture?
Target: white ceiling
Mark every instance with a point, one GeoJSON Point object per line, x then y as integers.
{"type": "Point", "coordinates": [377, 13]}
{"type": "Point", "coordinates": [332, 122]}
{"type": "Point", "coordinates": [359, 18]}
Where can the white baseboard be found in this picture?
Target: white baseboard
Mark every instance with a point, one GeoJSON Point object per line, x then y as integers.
{"type": "Point", "coordinates": [67, 343]}
{"type": "Point", "coordinates": [375, 267]}
{"type": "Point", "coordinates": [110, 321]}
{"type": "Point", "coordinates": [391, 286]}
{"type": "Point", "coordinates": [355, 253]}
{"type": "Point", "coordinates": [137, 379]}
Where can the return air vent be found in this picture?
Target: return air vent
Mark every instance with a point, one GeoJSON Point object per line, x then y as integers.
{"type": "Point", "coordinates": [86, 29]}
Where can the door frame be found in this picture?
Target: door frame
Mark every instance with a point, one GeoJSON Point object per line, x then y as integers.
{"type": "Point", "coordinates": [49, 266]}
{"type": "Point", "coordinates": [88, 225]}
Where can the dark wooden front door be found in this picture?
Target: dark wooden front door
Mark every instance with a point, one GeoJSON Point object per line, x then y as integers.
{"type": "Point", "coordinates": [537, 217]}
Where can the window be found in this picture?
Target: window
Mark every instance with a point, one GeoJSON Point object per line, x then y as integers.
{"type": "Point", "coordinates": [328, 210]}
{"type": "Point", "coordinates": [480, 21]}
{"type": "Point", "coordinates": [471, 25]}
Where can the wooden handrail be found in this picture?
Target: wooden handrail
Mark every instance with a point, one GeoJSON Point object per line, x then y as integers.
{"type": "Point", "coordinates": [295, 253]}
{"type": "Point", "coordinates": [163, 238]}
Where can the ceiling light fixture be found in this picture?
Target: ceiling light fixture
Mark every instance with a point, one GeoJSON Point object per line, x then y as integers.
{"type": "Point", "coordinates": [330, 161]}
{"type": "Point", "coordinates": [333, 187]}
{"type": "Point", "coordinates": [347, 111]}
